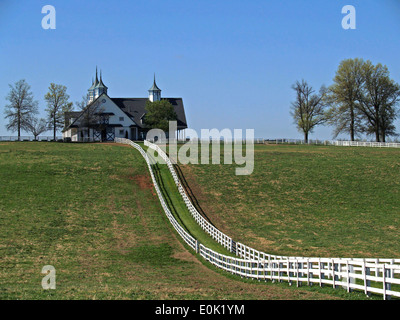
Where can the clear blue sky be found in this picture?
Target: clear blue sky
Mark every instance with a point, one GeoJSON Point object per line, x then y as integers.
{"type": "Point", "coordinates": [232, 62]}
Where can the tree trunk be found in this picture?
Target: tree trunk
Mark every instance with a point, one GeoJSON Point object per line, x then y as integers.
{"type": "Point", "coordinates": [377, 137]}
{"type": "Point", "coordinates": [19, 125]}
{"type": "Point", "coordinates": [54, 128]}
{"type": "Point", "coordinates": [352, 134]}
{"type": "Point", "coordinates": [352, 138]}
{"type": "Point", "coordinates": [377, 128]}
{"type": "Point", "coordinates": [306, 137]}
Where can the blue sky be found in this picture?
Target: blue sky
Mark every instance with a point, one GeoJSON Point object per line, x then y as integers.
{"type": "Point", "coordinates": [232, 62]}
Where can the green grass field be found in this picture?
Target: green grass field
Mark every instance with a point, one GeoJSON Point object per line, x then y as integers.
{"type": "Point", "coordinates": [307, 200]}
{"type": "Point", "coordinates": [90, 210]}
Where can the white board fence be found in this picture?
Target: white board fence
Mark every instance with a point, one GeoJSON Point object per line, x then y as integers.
{"type": "Point", "coordinates": [338, 143]}
{"type": "Point", "coordinates": [380, 276]}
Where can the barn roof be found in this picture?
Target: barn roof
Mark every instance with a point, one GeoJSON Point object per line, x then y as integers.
{"type": "Point", "coordinates": [135, 108]}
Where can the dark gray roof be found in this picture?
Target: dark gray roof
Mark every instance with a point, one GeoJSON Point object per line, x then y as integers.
{"type": "Point", "coordinates": [100, 84]}
{"type": "Point", "coordinates": [72, 114]}
{"type": "Point", "coordinates": [135, 108]}
{"type": "Point", "coordinates": [92, 87]}
{"type": "Point", "coordinates": [154, 87]}
{"type": "Point", "coordinates": [75, 115]}
{"type": "Point", "coordinates": [69, 115]}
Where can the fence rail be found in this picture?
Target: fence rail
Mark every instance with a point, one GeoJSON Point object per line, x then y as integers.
{"type": "Point", "coordinates": [344, 143]}
{"type": "Point", "coordinates": [349, 274]}
{"type": "Point", "coordinates": [341, 143]}
{"type": "Point", "coordinates": [366, 144]}
{"type": "Point", "coordinates": [380, 276]}
{"type": "Point", "coordinates": [216, 234]}
{"type": "Point", "coordinates": [29, 138]}
{"type": "Point", "coordinates": [255, 141]}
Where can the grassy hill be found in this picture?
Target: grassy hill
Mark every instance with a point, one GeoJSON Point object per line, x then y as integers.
{"type": "Point", "coordinates": [307, 200]}
{"type": "Point", "coordinates": [90, 210]}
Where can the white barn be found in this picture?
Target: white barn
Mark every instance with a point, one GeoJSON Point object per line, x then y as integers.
{"type": "Point", "coordinates": [105, 118]}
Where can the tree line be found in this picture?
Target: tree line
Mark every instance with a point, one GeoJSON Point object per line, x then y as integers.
{"type": "Point", "coordinates": [363, 99]}
{"type": "Point", "coordinates": [22, 109]}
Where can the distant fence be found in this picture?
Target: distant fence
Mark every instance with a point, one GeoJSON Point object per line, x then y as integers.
{"type": "Point", "coordinates": [344, 143]}
{"type": "Point", "coordinates": [381, 276]}
{"type": "Point", "coordinates": [29, 138]}
{"type": "Point", "coordinates": [255, 141]}
{"type": "Point", "coordinates": [340, 143]}
{"type": "Point", "coordinates": [366, 144]}
{"type": "Point", "coordinates": [49, 138]}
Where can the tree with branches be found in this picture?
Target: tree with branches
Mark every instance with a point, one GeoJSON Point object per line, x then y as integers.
{"type": "Point", "coordinates": [92, 114]}
{"type": "Point", "coordinates": [57, 104]}
{"type": "Point", "coordinates": [36, 126]}
{"type": "Point", "coordinates": [22, 106]}
{"type": "Point", "coordinates": [378, 101]}
{"type": "Point", "coordinates": [158, 114]}
{"type": "Point", "coordinates": [308, 110]}
{"type": "Point", "coordinates": [344, 112]}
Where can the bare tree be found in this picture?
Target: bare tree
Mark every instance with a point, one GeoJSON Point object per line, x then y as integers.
{"type": "Point", "coordinates": [57, 105]}
{"type": "Point", "coordinates": [36, 126]}
{"type": "Point", "coordinates": [308, 110]}
{"type": "Point", "coordinates": [83, 103]}
{"type": "Point", "coordinates": [91, 117]}
{"type": "Point", "coordinates": [21, 107]}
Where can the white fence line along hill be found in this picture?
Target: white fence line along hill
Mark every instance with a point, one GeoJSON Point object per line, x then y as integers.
{"type": "Point", "coordinates": [379, 276]}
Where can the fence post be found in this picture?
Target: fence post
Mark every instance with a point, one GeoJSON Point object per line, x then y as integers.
{"type": "Point", "coordinates": [265, 271]}
{"type": "Point", "coordinates": [386, 273]}
{"type": "Point", "coordinates": [269, 267]}
{"type": "Point", "coordinates": [367, 283]}
{"type": "Point", "coordinates": [333, 274]}
{"type": "Point", "coordinates": [384, 281]}
{"type": "Point", "coordinates": [297, 273]}
{"type": "Point", "coordinates": [301, 273]}
{"type": "Point", "coordinates": [274, 267]}
{"type": "Point", "coordinates": [235, 266]}
{"type": "Point", "coordinates": [349, 270]}
{"type": "Point", "coordinates": [279, 272]}
{"type": "Point", "coordinates": [321, 274]}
